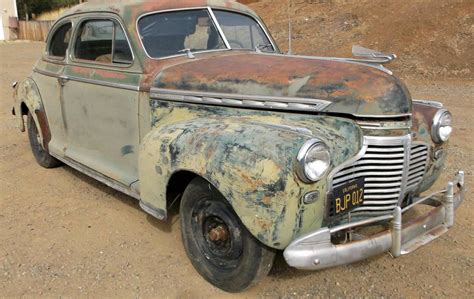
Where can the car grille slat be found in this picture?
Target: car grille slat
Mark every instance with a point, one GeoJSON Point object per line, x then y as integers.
{"type": "Point", "coordinates": [388, 175]}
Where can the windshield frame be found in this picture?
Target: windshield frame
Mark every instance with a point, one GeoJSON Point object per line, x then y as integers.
{"type": "Point", "coordinates": [216, 24]}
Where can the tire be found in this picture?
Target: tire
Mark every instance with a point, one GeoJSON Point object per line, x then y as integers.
{"type": "Point", "coordinates": [220, 248]}
{"type": "Point", "coordinates": [41, 155]}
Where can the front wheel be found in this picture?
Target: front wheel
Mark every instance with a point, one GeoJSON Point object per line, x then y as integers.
{"type": "Point", "coordinates": [218, 245]}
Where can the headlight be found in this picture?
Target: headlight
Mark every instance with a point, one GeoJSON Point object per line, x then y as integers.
{"type": "Point", "coordinates": [313, 161]}
{"type": "Point", "coordinates": [442, 126]}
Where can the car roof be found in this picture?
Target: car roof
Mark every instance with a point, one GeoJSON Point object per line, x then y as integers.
{"type": "Point", "coordinates": [130, 10]}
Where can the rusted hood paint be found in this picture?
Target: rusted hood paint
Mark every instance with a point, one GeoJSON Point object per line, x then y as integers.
{"type": "Point", "coordinates": [352, 88]}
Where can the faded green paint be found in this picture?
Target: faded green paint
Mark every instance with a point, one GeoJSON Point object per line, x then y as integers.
{"type": "Point", "coordinates": [249, 156]}
{"type": "Point", "coordinates": [27, 93]}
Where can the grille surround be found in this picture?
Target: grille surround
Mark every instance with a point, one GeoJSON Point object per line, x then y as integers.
{"type": "Point", "coordinates": [392, 167]}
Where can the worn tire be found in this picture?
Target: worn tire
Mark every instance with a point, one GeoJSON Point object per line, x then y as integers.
{"type": "Point", "coordinates": [232, 264]}
{"type": "Point", "coordinates": [41, 155]}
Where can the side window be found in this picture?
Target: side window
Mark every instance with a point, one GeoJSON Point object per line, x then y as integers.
{"type": "Point", "coordinates": [60, 41]}
{"type": "Point", "coordinates": [122, 51]}
{"type": "Point", "coordinates": [102, 41]}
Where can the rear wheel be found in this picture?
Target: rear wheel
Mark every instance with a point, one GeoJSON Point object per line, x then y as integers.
{"type": "Point", "coordinates": [218, 245]}
{"type": "Point", "coordinates": [41, 155]}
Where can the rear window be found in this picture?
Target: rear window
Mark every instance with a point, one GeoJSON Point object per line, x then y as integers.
{"type": "Point", "coordinates": [60, 41]}
{"type": "Point", "coordinates": [168, 34]}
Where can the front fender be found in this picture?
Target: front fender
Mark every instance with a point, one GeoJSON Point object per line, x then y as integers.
{"type": "Point", "coordinates": [251, 162]}
{"type": "Point", "coordinates": [27, 92]}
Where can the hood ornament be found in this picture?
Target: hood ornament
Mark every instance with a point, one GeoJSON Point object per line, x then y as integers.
{"type": "Point", "coordinates": [372, 56]}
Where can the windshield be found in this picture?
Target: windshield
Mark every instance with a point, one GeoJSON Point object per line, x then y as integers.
{"type": "Point", "coordinates": [172, 33]}
{"type": "Point", "coordinates": [243, 32]}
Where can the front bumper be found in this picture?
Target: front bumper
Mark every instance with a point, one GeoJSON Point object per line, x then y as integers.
{"type": "Point", "coordinates": [315, 251]}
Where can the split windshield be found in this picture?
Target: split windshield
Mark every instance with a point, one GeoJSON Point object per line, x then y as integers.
{"type": "Point", "coordinates": [170, 33]}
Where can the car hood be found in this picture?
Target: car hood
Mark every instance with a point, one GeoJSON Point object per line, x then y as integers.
{"type": "Point", "coordinates": [351, 88]}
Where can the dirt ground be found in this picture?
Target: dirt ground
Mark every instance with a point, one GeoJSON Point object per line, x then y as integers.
{"type": "Point", "coordinates": [64, 235]}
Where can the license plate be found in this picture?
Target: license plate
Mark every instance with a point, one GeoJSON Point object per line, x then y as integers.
{"type": "Point", "coordinates": [347, 197]}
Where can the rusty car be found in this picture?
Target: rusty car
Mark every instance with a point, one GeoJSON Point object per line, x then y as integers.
{"type": "Point", "coordinates": [192, 105]}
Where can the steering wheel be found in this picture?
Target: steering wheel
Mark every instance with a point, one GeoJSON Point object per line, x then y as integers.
{"type": "Point", "coordinates": [236, 42]}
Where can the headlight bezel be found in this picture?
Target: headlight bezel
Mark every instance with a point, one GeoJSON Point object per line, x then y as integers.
{"type": "Point", "coordinates": [438, 124]}
{"type": "Point", "coordinates": [302, 160]}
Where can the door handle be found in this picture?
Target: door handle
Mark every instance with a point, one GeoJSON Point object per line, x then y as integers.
{"type": "Point", "coordinates": [63, 80]}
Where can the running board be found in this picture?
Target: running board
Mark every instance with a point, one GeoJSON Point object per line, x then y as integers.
{"type": "Point", "coordinates": [98, 176]}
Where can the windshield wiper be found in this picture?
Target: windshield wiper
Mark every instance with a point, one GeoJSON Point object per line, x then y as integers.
{"type": "Point", "coordinates": [188, 52]}
{"type": "Point", "coordinates": [259, 48]}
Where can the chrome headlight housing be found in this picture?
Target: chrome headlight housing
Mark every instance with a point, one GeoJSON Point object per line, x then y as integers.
{"type": "Point", "coordinates": [314, 161]}
{"type": "Point", "coordinates": [442, 126]}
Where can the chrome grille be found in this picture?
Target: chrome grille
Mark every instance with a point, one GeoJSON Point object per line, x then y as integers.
{"type": "Point", "coordinates": [388, 174]}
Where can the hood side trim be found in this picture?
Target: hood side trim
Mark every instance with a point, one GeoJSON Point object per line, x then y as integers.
{"type": "Point", "coordinates": [242, 101]}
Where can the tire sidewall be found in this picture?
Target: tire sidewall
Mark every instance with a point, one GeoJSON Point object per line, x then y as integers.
{"type": "Point", "coordinates": [255, 260]}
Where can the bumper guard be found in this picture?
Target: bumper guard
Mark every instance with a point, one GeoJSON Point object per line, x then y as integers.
{"type": "Point", "coordinates": [315, 250]}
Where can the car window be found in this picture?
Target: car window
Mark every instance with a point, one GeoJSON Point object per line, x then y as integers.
{"type": "Point", "coordinates": [103, 41]}
{"type": "Point", "coordinates": [60, 41]}
{"type": "Point", "coordinates": [167, 34]}
{"type": "Point", "coordinates": [243, 32]}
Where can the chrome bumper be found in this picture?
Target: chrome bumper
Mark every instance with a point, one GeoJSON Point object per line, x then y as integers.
{"type": "Point", "coordinates": [315, 251]}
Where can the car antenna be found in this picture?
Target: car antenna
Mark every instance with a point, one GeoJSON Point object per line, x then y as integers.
{"type": "Point", "coordinates": [290, 29]}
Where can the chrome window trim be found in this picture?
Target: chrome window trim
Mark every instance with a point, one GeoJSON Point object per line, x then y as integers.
{"type": "Point", "coordinates": [52, 31]}
{"type": "Point", "coordinates": [213, 18]}
{"type": "Point", "coordinates": [239, 100]}
{"type": "Point", "coordinates": [219, 28]}
{"type": "Point", "coordinates": [92, 17]}
{"type": "Point", "coordinates": [88, 81]}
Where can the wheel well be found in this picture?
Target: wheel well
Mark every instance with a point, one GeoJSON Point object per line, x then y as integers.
{"type": "Point", "coordinates": [176, 186]}
{"type": "Point", "coordinates": [24, 109]}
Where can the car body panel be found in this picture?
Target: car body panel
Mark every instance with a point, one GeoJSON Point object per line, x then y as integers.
{"type": "Point", "coordinates": [350, 87]}
{"type": "Point", "coordinates": [109, 119]}
{"type": "Point", "coordinates": [248, 156]}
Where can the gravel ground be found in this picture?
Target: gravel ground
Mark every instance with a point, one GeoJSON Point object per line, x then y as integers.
{"type": "Point", "coordinates": [64, 235]}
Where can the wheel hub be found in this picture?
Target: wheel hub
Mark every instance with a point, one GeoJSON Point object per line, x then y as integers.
{"type": "Point", "coordinates": [219, 233]}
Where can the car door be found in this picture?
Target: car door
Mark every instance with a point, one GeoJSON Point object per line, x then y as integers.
{"type": "Point", "coordinates": [101, 100]}
{"type": "Point", "coordinates": [47, 74]}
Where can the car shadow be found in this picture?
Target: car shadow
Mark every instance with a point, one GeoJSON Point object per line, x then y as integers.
{"type": "Point", "coordinates": [164, 226]}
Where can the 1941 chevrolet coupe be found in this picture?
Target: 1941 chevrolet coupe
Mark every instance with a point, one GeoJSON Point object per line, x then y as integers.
{"type": "Point", "coordinates": [192, 102]}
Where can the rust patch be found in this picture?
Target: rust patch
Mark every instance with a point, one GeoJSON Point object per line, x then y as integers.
{"type": "Point", "coordinates": [44, 127]}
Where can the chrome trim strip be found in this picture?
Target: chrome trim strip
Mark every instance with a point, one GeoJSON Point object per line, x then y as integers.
{"type": "Point", "coordinates": [88, 81]}
{"type": "Point", "coordinates": [103, 83]}
{"type": "Point", "coordinates": [97, 176]}
{"type": "Point", "coordinates": [406, 140]}
{"type": "Point", "coordinates": [46, 73]}
{"type": "Point", "coordinates": [370, 63]}
{"type": "Point", "coordinates": [219, 28]}
{"type": "Point", "coordinates": [430, 103]}
{"type": "Point", "coordinates": [238, 100]}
